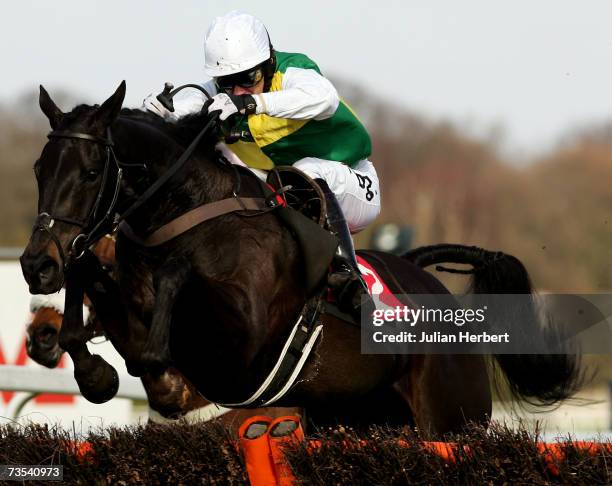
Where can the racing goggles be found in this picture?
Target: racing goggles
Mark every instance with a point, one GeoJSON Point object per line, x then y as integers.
{"type": "Point", "coordinates": [245, 79]}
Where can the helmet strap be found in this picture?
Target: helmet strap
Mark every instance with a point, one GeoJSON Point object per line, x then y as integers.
{"type": "Point", "coordinates": [269, 68]}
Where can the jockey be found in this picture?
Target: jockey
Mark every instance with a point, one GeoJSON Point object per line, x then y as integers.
{"type": "Point", "coordinates": [289, 114]}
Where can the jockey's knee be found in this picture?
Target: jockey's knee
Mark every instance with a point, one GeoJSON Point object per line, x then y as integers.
{"type": "Point", "coordinates": [334, 173]}
{"type": "Point", "coordinates": [357, 189]}
{"type": "Point", "coordinates": [359, 216]}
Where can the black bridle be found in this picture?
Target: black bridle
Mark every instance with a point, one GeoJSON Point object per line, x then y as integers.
{"type": "Point", "coordinates": [92, 227]}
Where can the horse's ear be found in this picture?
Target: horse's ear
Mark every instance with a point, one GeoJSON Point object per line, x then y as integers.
{"type": "Point", "coordinates": [109, 110]}
{"type": "Point", "coordinates": [49, 108]}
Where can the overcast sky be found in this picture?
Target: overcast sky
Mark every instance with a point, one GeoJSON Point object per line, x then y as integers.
{"type": "Point", "coordinates": [537, 67]}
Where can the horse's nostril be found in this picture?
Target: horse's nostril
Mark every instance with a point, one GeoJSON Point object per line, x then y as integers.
{"type": "Point", "coordinates": [46, 271]}
{"type": "Point", "coordinates": [42, 272]}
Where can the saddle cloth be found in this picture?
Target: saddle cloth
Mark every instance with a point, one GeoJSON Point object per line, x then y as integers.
{"type": "Point", "coordinates": [376, 286]}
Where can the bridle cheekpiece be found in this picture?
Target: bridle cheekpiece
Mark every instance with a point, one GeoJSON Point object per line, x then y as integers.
{"type": "Point", "coordinates": [92, 227]}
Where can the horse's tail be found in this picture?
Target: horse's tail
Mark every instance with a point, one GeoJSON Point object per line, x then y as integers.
{"type": "Point", "coordinates": [540, 380]}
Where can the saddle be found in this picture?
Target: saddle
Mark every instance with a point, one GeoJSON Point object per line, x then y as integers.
{"type": "Point", "coordinates": [304, 213]}
{"type": "Point", "coordinates": [304, 196]}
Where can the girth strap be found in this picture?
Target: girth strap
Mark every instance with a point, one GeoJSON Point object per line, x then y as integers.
{"type": "Point", "coordinates": [194, 217]}
{"type": "Point", "coordinates": [293, 357]}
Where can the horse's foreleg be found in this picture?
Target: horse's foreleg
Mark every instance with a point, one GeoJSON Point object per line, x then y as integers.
{"type": "Point", "coordinates": [128, 337]}
{"type": "Point", "coordinates": [97, 380]}
{"type": "Point", "coordinates": [167, 281]}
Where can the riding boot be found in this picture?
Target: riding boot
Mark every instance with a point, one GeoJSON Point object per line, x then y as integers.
{"type": "Point", "coordinates": [345, 279]}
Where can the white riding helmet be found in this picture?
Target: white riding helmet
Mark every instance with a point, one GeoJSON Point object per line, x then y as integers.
{"type": "Point", "coordinates": [234, 43]}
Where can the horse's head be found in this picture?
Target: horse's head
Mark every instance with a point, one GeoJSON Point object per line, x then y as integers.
{"type": "Point", "coordinates": [42, 330]}
{"type": "Point", "coordinates": [77, 184]}
{"type": "Point", "coordinates": [42, 337]}
{"type": "Point", "coordinates": [45, 324]}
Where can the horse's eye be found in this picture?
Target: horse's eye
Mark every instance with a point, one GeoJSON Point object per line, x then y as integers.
{"type": "Point", "coordinates": [92, 175]}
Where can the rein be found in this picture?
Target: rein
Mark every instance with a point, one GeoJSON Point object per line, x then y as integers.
{"type": "Point", "coordinates": [196, 216]}
{"type": "Point", "coordinates": [145, 196]}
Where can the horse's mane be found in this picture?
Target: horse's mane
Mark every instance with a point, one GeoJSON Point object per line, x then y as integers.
{"type": "Point", "coordinates": [183, 131]}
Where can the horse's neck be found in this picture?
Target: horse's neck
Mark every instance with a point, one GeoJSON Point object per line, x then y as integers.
{"type": "Point", "coordinates": [136, 142]}
{"type": "Point", "coordinates": [197, 182]}
{"type": "Point", "coordinates": [201, 181]}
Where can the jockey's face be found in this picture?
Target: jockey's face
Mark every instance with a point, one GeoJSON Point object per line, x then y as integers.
{"type": "Point", "coordinates": [247, 82]}
{"type": "Point", "coordinates": [255, 89]}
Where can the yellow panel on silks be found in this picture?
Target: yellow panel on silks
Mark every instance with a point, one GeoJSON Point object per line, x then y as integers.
{"type": "Point", "coordinates": [251, 155]}
{"type": "Point", "coordinates": [267, 129]}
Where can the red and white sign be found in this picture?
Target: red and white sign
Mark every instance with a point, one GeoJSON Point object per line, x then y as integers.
{"type": "Point", "coordinates": [62, 409]}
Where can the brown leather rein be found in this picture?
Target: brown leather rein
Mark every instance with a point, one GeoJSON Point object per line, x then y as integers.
{"type": "Point", "coordinates": [196, 216]}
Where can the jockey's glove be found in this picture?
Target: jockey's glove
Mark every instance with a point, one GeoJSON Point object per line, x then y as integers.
{"type": "Point", "coordinates": [229, 104]}
{"type": "Point", "coordinates": [153, 105]}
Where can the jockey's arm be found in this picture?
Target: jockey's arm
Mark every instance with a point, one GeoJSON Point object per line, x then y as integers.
{"type": "Point", "coordinates": [187, 102]}
{"type": "Point", "coordinates": [305, 95]}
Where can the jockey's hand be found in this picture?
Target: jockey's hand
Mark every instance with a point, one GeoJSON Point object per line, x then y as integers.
{"type": "Point", "coordinates": [152, 104]}
{"type": "Point", "coordinates": [229, 105]}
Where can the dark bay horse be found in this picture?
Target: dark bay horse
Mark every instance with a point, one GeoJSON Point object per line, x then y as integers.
{"type": "Point", "coordinates": [170, 395]}
{"type": "Point", "coordinates": [246, 272]}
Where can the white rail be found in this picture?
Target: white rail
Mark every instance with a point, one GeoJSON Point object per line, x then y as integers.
{"type": "Point", "coordinates": [31, 382]}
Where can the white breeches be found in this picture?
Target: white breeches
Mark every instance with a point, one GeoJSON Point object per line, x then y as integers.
{"type": "Point", "coordinates": [357, 188]}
